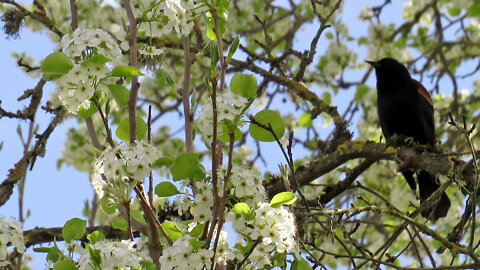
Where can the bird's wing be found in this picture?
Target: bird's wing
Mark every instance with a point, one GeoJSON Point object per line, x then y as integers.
{"type": "Point", "coordinates": [426, 109]}
{"type": "Point", "coordinates": [424, 93]}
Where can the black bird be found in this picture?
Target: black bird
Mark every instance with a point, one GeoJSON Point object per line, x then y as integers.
{"type": "Point", "coordinates": [405, 108]}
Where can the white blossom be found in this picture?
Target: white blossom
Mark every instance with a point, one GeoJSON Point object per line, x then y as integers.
{"type": "Point", "coordinates": [247, 183]}
{"type": "Point", "coordinates": [117, 171]}
{"type": "Point", "coordinates": [203, 203]}
{"type": "Point", "coordinates": [85, 40]}
{"type": "Point", "coordinates": [229, 105]}
{"type": "Point", "coordinates": [160, 18]}
{"type": "Point", "coordinates": [181, 255]}
{"type": "Point", "coordinates": [11, 234]}
{"type": "Point", "coordinates": [274, 226]}
{"type": "Point", "coordinates": [114, 255]}
{"type": "Point", "coordinates": [366, 13]}
{"type": "Point", "coordinates": [150, 51]}
{"type": "Point", "coordinates": [183, 203]}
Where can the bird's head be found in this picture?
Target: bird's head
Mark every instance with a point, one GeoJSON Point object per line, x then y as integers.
{"type": "Point", "coordinates": [390, 71]}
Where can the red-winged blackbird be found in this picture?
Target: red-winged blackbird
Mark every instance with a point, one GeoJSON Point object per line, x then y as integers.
{"type": "Point", "coordinates": [405, 108]}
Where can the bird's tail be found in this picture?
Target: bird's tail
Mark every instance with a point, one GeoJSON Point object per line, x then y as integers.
{"type": "Point", "coordinates": [428, 184]}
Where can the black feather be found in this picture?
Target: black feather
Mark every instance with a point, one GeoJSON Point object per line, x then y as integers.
{"type": "Point", "coordinates": [405, 108]}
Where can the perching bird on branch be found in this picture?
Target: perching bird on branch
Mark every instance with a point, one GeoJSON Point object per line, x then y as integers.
{"type": "Point", "coordinates": [405, 108]}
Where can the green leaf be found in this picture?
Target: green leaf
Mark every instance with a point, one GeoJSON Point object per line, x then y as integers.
{"type": "Point", "coordinates": [166, 189]}
{"type": "Point", "coordinates": [240, 208]}
{"type": "Point", "coordinates": [244, 249]}
{"type": "Point", "coordinates": [266, 117]}
{"type": "Point", "coordinates": [207, 83]}
{"type": "Point", "coordinates": [305, 120]}
{"type": "Point", "coordinates": [454, 11]}
{"type": "Point", "coordinates": [101, 97]}
{"type": "Point", "coordinates": [196, 244]}
{"type": "Point", "coordinates": [282, 198]}
{"type": "Point", "coordinates": [66, 264]}
{"type": "Point", "coordinates": [166, 77]}
{"type": "Point", "coordinates": [214, 58]}
{"type": "Point", "coordinates": [244, 85]}
{"type": "Point", "coordinates": [197, 231]}
{"type": "Point", "coordinates": [107, 109]}
{"type": "Point", "coordinates": [42, 249]}
{"type": "Point", "coordinates": [233, 47]}
{"type": "Point", "coordinates": [138, 215]}
{"type": "Point", "coordinates": [120, 93]}
{"type": "Point", "coordinates": [339, 232]}
{"type": "Point", "coordinates": [362, 89]}
{"type": "Point", "coordinates": [148, 265]}
{"type": "Point", "coordinates": [474, 10]}
{"type": "Point", "coordinates": [98, 59]}
{"type": "Point", "coordinates": [123, 130]}
{"type": "Point", "coordinates": [187, 166]}
{"type": "Point", "coordinates": [363, 41]}
{"type": "Point", "coordinates": [56, 63]}
{"type": "Point", "coordinates": [74, 229]}
{"type": "Point", "coordinates": [327, 97]}
{"type": "Point", "coordinates": [222, 14]}
{"type": "Point", "coordinates": [222, 4]}
{"type": "Point", "coordinates": [172, 230]}
{"type": "Point", "coordinates": [96, 236]}
{"type": "Point", "coordinates": [108, 205]}
{"type": "Point", "coordinates": [278, 259]}
{"type": "Point", "coordinates": [163, 161]}
{"type": "Point", "coordinates": [207, 48]}
{"type": "Point", "coordinates": [95, 256]}
{"type": "Point", "coordinates": [120, 223]}
{"type": "Point", "coordinates": [318, 241]}
{"type": "Point", "coordinates": [53, 253]}
{"type": "Point", "coordinates": [126, 71]}
{"type": "Point", "coordinates": [227, 128]}
{"type": "Point", "coordinates": [51, 77]}
{"type": "Point", "coordinates": [301, 264]}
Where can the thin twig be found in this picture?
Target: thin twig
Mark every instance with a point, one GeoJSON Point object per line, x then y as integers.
{"type": "Point", "coordinates": [255, 244]}
{"type": "Point", "coordinates": [132, 41]}
{"type": "Point", "coordinates": [74, 11]}
{"type": "Point", "coordinates": [224, 197]}
{"type": "Point", "coordinates": [186, 95]}
{"type": "Point", "coordinates": [223, 64]}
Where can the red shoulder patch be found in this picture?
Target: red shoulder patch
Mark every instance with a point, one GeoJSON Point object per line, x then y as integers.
{"type": "Point", "coordinates": [424, 93]}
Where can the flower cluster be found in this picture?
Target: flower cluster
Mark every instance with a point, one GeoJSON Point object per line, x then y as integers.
{"type": "Point", "coordinates": [274, 226]}
{"type": "Point", "coordinates": [366, 13]}
{"type": "Point", "coordinates": [84, 40]}
{"type": "Point", "coordinates": [117, 171]}
{"type": "Point", "coordinates": [203, 203]}
{"type": "Point", "coordinates": [113, 254]}
{"type": "Point", "coordinates": [247, 183]}
{"type": "Point", "coordinates": [229, 105]}
{"type": "Point", "coordinates": [183, 202]}
{"type": "Point", "coordinates": [11, 233]}
{"type": "Point", "coordinates": [183, 255]}
{"type": "Point", "coordinates": [162, 17]}
{"type": "Point", "coordinates": [337, 57]}
{"type": "Point", "coordinates": [377, 48]}
{"type": "Point", "coordinates": [75, 88]}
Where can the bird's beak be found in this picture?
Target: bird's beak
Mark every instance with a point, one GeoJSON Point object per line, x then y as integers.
{"type": "Point", "coordinates": [374, 64]}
